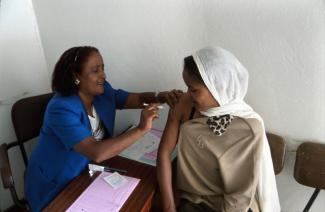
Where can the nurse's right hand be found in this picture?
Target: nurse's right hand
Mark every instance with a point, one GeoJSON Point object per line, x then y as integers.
{"type": "Point", "coordinates": [148, 114]}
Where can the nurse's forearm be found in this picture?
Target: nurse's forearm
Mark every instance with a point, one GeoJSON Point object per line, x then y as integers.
{"type": "Point", "coordinates": [99, 151]}
{"type": "Point", "coordinates": [136, 100]}
{"type": "Point", "coordinates": [113, 146]}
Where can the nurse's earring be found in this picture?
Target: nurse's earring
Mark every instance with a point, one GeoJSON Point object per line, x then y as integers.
{"type": "Point", "coordinates": [77, 82]}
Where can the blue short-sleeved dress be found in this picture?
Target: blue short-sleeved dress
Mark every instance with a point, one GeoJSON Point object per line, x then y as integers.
{"type": "Point", "coordinates": [54, 163]}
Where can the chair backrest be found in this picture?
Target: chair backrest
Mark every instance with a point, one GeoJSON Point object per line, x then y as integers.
{"type": "Point", "coordinates": [277, 147]}
{"type": "Point", "coordinates": [27, 118]}
{"type": "Point", "coordinates": [310, 165]}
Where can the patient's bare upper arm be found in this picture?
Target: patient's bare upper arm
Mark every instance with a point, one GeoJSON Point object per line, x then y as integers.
{"type": "Point", "coordinates": [174, 121]}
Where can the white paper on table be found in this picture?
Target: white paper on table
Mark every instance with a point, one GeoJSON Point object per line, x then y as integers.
{"type": "Point", "coordinates": [147, 143]}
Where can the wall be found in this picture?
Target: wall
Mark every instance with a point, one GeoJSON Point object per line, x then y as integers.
{"type": "Point", "coordinates": [23, 73]}
{"type": "Point", "coordinates": [143, 43]}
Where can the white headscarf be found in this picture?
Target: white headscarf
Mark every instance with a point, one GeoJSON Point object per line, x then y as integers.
{"type": "Point", "coordinates": [227, 80]}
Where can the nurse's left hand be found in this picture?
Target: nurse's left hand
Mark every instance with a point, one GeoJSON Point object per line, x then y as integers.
{"type": "Point", "coordinates": [170, 97]}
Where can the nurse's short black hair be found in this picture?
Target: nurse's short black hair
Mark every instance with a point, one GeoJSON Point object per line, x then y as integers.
{"type": "Point", "coordinates": [70, 63]}
{"type": "Point", "coordinates": [191, 68]}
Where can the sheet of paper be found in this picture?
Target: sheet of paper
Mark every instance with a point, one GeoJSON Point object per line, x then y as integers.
{"type": "Point", "coordinates": [145, 149]}
{"type": "Point", "coordinates": [115, 180]}
{"type": "Point", "coordinates": [101, 197]}
{"type": "Point", "coordinates": [148, 143]}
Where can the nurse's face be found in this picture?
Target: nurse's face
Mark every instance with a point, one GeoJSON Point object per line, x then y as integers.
{"type": "Point", "coordinates": [199, 93]}
{"type": "Point", "coordinates": [92, 76]}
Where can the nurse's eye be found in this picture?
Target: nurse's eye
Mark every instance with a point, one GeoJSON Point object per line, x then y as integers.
{"type": "Point", "coordinates": [95, 70]}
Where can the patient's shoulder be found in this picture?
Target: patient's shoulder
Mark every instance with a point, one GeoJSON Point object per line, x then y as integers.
{"type": "Point", "coordinates": [182, 109]}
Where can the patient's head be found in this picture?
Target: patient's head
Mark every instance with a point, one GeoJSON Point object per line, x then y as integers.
{"type": "Point", "coordinates": [199, 93]}
{"type": "Point", "coordinates": [220, 72]}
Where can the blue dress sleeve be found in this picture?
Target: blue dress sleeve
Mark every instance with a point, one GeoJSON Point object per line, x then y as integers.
{"type": "Point", "coordinates": [119, 95]}
{"type": "Point", "coordinates": [65, 121]}
{"type": "Point", "coordinates": [120, 98]}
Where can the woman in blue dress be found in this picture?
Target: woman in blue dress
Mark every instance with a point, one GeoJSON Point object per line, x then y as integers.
{"type": "Point", "coordinates": [79, 122]}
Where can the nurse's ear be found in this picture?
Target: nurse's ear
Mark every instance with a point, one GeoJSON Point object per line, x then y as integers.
{"type": "Point", "coordinates": [77, 81]}
{"type": "Point", "coordinates": [76, 78]}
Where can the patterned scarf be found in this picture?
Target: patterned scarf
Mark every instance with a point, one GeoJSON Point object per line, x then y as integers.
{"type": "Point", "coordinates": [219, 124]}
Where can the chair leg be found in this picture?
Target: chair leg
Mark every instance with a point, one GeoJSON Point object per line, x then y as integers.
{"type": "Point", "coordinates": [311, 200]}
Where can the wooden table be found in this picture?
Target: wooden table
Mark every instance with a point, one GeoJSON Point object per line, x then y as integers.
{"type": "Point", "coordinates": [141, 198]}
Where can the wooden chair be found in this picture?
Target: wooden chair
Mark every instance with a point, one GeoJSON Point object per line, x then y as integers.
{"type": "Point", "coordinates": [27, 118]}
{"type": "Point", "coordinates": [277, 147]}
{"type": "Point", "coordinates": [310, 168]}
{"type": "Point", "coordinates": [7, 178]}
